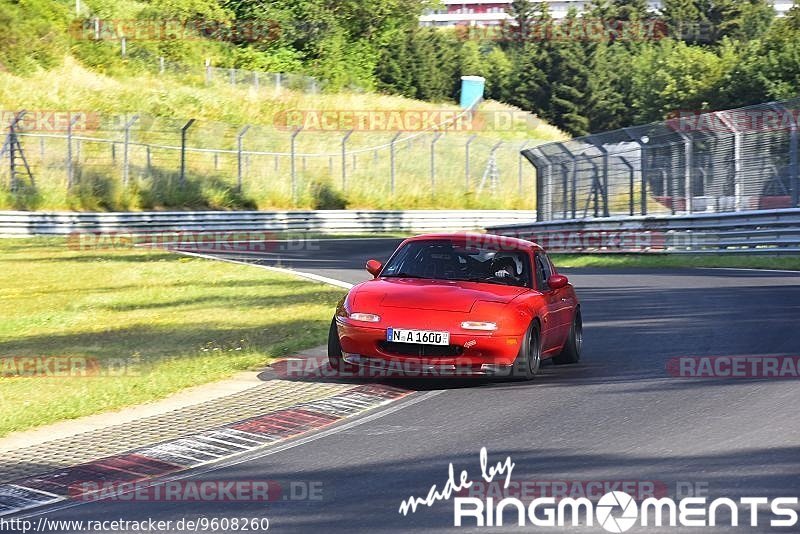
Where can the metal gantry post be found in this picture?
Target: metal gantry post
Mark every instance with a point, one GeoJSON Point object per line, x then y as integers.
{"type": "Point", "coordinates": [344, 159]}
{"type": "Point", "coordinates": [239, 146]}
{"type": "Point", "coordinates": [125, 150]}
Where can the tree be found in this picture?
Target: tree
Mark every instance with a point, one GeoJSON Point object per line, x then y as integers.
{"type": "Point", "coordinates": [521, 29]}
{"type": "Point", "coordinates": [627, 10]}
{"type": "Point", "coordinates": [684, 19]}
{"type": "Point", "coordinates": [499, 69]}
{"type": "Point", "coordinates": [670, 76]}
{"type": "Point", "coordinates": [569, 81]}
{"type": "Point", "coordinates": [609, 106]}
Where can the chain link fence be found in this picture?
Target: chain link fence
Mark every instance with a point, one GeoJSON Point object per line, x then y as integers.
{"type": "Point", "coordinates": [165, 160]}
{"type": "Point", "coordinates": [694, 162]}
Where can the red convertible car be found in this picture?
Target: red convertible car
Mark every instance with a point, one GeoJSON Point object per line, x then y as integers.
{"type": "Point", "coordinates": [458, 305]}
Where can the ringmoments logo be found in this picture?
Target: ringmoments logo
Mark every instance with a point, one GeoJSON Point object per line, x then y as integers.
{"type": "Point", "coordinates": [618, 511]}
{"type": "Point", "coordinates": [615, 511]}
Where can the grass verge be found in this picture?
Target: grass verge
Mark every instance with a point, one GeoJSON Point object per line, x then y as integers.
{"type": "Point", "coordinates": [150, 323]}
{"type": "Point", "coordinates": [676, 261]}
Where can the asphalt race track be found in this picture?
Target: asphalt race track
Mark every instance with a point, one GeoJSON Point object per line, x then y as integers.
{"type": "Point", "coordinates": [616, 416]}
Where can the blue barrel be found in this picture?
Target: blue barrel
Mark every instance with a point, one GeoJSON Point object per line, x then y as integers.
{"type": "Point", "coordinates": [471, 90]}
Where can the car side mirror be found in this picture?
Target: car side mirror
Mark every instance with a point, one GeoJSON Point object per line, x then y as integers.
{"type": "Point", "coordinates": [374, 267]}
{"type": "Point", "coordinates": [557, 281]}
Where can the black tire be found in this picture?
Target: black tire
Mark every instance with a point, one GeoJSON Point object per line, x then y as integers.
{"type": "Point", "coordinates": [571, 353]}
{"type": "Point", "coordinates": [529, 359]}
{"type": "Point", "coordinates": [335, 348]}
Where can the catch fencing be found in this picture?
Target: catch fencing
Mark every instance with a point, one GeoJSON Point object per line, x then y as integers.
{"type": "Point", "coordinates": [57, 152]}
{"type": "Point", "coordinates": [695, 162]}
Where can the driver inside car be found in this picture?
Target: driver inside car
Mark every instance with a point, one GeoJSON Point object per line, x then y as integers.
{"type": "Point", "coordinates": [504, 267]}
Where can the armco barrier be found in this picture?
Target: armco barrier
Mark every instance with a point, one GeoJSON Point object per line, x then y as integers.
{"type": "Point", "coordinates": [753, 232]}
{"type": "Point", "coordinates": [20, 223]}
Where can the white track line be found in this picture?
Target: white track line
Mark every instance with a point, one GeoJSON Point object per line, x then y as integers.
{"type": "Point", "coordinates": [751, 269]}
{"type": "Point", "coordinates": [301, 274]}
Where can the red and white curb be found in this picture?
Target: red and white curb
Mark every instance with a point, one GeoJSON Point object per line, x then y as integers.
{"type": "Point", "coordinates": [200, 449]}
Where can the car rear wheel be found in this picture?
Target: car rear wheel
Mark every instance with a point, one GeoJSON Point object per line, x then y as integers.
{"type": "Point", "coordinates": [572, 348]}
{"type": "Point", "coordinates": [529, 359]}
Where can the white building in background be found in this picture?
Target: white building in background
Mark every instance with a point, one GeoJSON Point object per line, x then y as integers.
{"type": "Point", "coordinates": [493, 12]}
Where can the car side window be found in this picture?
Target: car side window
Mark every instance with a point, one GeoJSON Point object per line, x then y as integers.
{"type": "Point", "coordinates": [543, 272]}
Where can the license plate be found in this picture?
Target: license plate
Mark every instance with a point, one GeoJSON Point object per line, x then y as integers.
{"type": "Point", "coordinates": [426, 337]}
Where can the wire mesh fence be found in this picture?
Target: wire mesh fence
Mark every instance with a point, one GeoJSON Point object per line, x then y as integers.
{"type": "Point", "coordinates": [694, 162]}
{"type": "Point", "coordinates": [168, 162]}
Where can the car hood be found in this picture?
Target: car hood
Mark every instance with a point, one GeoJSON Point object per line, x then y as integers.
{"type": "Point", "coordinates": [440, 295]}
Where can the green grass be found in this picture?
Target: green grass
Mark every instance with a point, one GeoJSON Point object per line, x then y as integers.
{"type": "Point", "coordinates": [165, 102]}
{"type": "Point", "coordinates": [676, 261]}
{"type": "Point", "coordinates": [168, 322]}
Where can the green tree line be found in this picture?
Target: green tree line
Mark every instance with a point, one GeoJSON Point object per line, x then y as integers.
{"type": "Point", "coordinates": [612, 65]}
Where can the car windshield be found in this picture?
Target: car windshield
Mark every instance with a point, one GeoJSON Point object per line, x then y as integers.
{"type": "Point", "coordinates": [448, 260]}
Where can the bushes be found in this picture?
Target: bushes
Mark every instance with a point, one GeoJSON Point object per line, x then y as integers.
{"type": "Point", "coordinates": [325, 197]}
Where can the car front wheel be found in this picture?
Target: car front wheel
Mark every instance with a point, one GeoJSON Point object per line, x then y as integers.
{"type": "Point", "coordinates": [529, 359]}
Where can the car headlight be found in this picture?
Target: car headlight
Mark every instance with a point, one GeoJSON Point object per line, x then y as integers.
{"type": "Point", "coordinates": [366, 317]}
{"type": "Point", "coordinates": [478, 325]}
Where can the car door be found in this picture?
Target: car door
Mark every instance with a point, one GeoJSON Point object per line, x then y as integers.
{"type": "Point", "coordinates": [558, 309]}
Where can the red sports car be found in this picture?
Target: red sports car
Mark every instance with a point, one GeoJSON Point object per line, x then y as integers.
{"type": "Point", "coordinates": [458, 304]}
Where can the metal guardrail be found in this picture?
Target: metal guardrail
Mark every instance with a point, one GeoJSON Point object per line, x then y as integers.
{"type": "Point", "coordinates": [21, 223]}
{"type": "Point", "coordinates": [752, 232]}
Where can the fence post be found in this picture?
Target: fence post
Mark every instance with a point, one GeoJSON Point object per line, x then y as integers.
{"type": "Point", "coordinates": [293, 166]}
{"type": "Point", "coordinates": [278, 84]}
{"type": "Point", "coordinates": [794, 184]}
{"type": "Point", "coordinates": [629, 165]}
{"type": "Point", "coordinates": [519, 167]}
{"type": "Point", "coordinates": [70, 170]}
{"type": "Point", "coordinates": [208, 71]}
{"type": "Point", "coordinates": [564, 187]}
{"type": "Point", "coordinates": [737, 161]}
{"type": "Point", "coordinates": [642, 142]}
{"type": "Point", "coordinates": [125, 165]}
{"type": "Point", "coordinates": [161, 65]}
{"type": "Point", "coordinates": [344, 159]}
{"type": "Point", "coordinates": [436, 137]}
{"type": "Point", "coordinates": [391, 158]}
{"type": "Point", "coordinates": [536, 161]}
{"type": "Point", "coordinates": [688, 158]}
{"type": "Point", "coordinates": [466, 161]}
{"type": "Point", "coordinates": [239, 142]}
{"type": "Point", "coordinates": [183, 151]}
